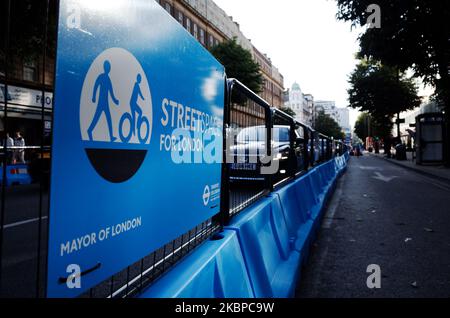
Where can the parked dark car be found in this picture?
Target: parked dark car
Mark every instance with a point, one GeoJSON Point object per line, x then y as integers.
{"type": "Point", "coordinates": [250, 151]}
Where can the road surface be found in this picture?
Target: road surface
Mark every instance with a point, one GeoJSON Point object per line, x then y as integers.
{"type": "Point", "coordinates": [385, 215]}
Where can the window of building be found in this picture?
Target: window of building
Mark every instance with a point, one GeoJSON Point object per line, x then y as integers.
{"type": "Point", "coordinates": [202, 36]}
{"type": "Point", "coordinates": [187, 25]}
{"type": "Point", "coordinates": [195, 30]}
{"type": "Point", "coordinates": [30, 71]}
{"type": "Point", "coordinates": [210, 40]}
{"type": "Point", "coordinates": [180, 17]}
{"type": "Point", "coordinates": [168, 7]}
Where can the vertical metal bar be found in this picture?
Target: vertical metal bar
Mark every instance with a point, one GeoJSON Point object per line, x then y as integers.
{"type": "Point", "coordinates": [141, 278]}
{"type": "Point", "coordinates": [111, 287]}
{"type": "Point", "coordinates": [154, 266]}
{"type": "Point", "coordinates": [128, 282]}
{"type": "Point", "coordinates": [57, 4]}
{"type": "Point", "coordinates": [269, 126]}
{"type": "Point", "coordinates": [164, 256]}
{"type": "Point", "coordinates": [305, 148]}
{"type": "Point", "coordinates": [293, 143]}
{"type": "Point", "coordinates": [41, 174]}
{"type": "Point", "coordinates": [225, 187]}
{"type": "Point", "coordinates": [5, 151]}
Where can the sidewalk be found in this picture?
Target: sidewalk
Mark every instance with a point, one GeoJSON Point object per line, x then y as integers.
{"type": "Point", "coordinates": [439, 172]}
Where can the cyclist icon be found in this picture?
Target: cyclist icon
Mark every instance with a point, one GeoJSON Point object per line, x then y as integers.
{"type": "Point", "coordinates": [135, 124]}
{"type": "Point", "coordinates": [103, 83]}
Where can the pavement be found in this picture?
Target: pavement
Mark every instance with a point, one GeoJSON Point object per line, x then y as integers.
{"type": "Point", "coordinates": [436, 171]}
{"type": "Point", "coordinates": [386, 215]}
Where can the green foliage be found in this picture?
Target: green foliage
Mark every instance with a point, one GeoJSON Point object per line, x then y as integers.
{"type": "Point", "coordinates": [239, 64]}
{"type": "Point", "coordinates": [27, 26]}
{"type": "Point", "coordinates": [326, 125]}
{"type": "Point", "coordinates": [414, 34]}
{"type": "Point", "coordinates": [370, 126]}
{"type": "Point", "coordinates": [379, 90]}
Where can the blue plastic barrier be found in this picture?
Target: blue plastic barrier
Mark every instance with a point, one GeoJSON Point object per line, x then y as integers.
{"type": "Point", "coordinates": [261, 252]}
{"type": "Point", "coordinates": [16, 175]}
{"type": "Point", "coordinates": [264, 237]}
{"type": "Point", "coordinates": [215, 270]}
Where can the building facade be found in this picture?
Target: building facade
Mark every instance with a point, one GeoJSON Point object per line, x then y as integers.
{"type": "Point", "coordinates": [340, 115]}
{"type": "Point", "coordinates": [328, 107]}
{"type": "Point", "coordinates": [344, 120]}
{"type": "Point", "coordinates": [210, 25]}
{"type": "Point", "coordinates": [300, 103]}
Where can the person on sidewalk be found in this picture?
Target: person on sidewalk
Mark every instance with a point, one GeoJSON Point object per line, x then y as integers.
{"type": "Point", "coordinates": [388, 146]}
{"type": "Point", "coordinates": [20, 151]}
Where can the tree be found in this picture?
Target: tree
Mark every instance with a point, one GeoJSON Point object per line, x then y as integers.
{"type": "Point", "coordinates": [414, 34]}
{"type": "Point", "coordinates": [239, 64]}
{"type": "Point", "coordinates": [377, 88]}
{"type": "Point", "coordinates": [369, 126]}
{"type": "Point", "coordinates": [289, 111]}
{"type": "Point", "coordinates": [326, 125]}
{"type": "Point", "coordinates": [27, 33]}
{"type": "Point", "coordinates": [382, 92]}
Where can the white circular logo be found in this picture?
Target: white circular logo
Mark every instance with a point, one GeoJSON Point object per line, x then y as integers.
{"type": "Point", "coordinates": [206, 195]}
{"type": "Point", "coordinates": [116, 102]}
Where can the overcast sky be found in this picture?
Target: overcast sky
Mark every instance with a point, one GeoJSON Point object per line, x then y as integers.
{"type": "Point", "coordinates": [304, 40]}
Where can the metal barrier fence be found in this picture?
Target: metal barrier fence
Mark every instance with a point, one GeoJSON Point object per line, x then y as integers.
{"type": "Point", "coordinates": [254, 132]}
{"type": "Point", "coordinates": [261, 131]}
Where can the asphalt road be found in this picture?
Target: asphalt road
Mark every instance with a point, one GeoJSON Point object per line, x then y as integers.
{"type": "Point", "coordinates": [385, 215]}
{"type": "Point", "coordinates": [20, 241]}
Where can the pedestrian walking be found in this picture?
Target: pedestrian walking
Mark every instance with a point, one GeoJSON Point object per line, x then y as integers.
{"type": "Point", "coordinates": [19, 152]}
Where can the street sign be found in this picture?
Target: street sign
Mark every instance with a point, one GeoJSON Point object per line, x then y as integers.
{"type": "Point", "coordinates": [137, 150]}
{"type": "Point", "coordinates": [400, 121]}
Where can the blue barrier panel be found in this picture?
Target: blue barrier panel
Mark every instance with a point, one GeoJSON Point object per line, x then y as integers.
{"type": "Point", "coordinates": [322, 181]}
{"type": "Point", "coordinates": [328, 171]}
{"type": "Point", "coordinates": [261, 251]}
{"type": "Point", "coordinates": [296, 213]}
{"type": "Point", "coordinates": [16, 175]}
{"type": "Point", "coordinates": [318, 185]}
{"type": "Point", "coordinates": [337, 164]}
{"type": "Point", "coordinates": [309, 201]}
{"type": "Point", "coordinates": [264, 237]}
{"type": "Point", "coordinates": [215, 270]}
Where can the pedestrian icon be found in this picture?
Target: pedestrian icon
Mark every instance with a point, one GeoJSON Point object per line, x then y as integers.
{"type": "Point", "coordinates": [104, 85]}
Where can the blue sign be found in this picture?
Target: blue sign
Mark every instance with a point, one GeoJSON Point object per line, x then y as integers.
{"type": "Point", "coordinates": [137, 147]}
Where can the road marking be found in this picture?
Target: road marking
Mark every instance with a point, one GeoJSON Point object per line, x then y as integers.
{"type": "Point", "coordinates": [380, 177]}
{"type": "Point", "coordinates": [370, 168]}
{"type": "Point", "coordinates": [8, 226]}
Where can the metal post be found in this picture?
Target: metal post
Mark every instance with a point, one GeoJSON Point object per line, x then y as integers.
{"type": "Point", "coordinates": [41, 174]}
{"type": "Point", "coordinates": [225, 191]}
{"type": "Point", "coordinates": [293, 156]}
{"type": "Point", "coordinates": [5, 151]}
{"type": "Point", "coordinates": [269, 126]}
{"type": "Point", "coordinates": [305, 149]}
